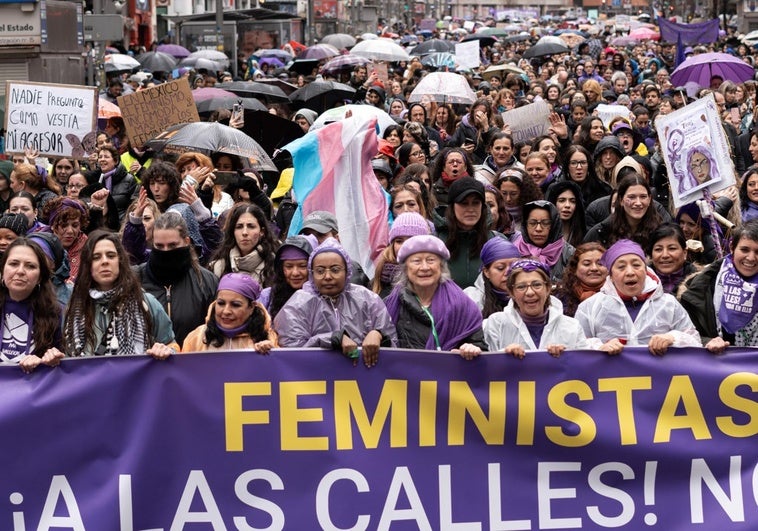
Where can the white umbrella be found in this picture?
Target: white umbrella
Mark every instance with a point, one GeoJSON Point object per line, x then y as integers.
{"type": "Point", "coordinates": [120, 61]}
{"type": "Point", "coordinates": [380, 50]}
{"type": "Point", "coordinates": [336, 114]}
{"type": "Point", "coordinates": [369, 36]}
{"type": "Point", "coordinates": [444, 87]}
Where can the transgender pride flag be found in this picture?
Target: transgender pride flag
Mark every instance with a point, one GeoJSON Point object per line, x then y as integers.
{"type": "Point", "coordinates": [333, 172]}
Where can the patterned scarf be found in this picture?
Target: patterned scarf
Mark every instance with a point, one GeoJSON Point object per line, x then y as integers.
{"type": "Point", "coordinates": [125, 332]}
{"type": "Point", "coordinates": [739, 304]}
{"type": "Point", "coordinates": [548, 255]}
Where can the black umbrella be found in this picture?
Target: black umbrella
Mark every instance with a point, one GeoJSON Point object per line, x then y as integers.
{"type": "Point", "coordinates": [484, 40]}
{"type": "Point", "coordinates": [518, 38]}
{"type": "Point", "coordinates": [287, 88]}
{"type": "Point", "coordinates": [270, 131]}
{"type": "Point", "coordinates": [433, 46]}
{"type": "Point", "coordinates": [321, 95]}
{"type": "Point", "coordinates": [304, 66]}
{"type": "Point", "coordinates": [214, 104]}
{"type": "Point", "coordinates": [253, 89]}
{"type": "Point", "coordinates": [545, 48]}
{"type": "Point", "coordinates": [157, 61]}
{"type": "Point", "coordinates": [209, 138]}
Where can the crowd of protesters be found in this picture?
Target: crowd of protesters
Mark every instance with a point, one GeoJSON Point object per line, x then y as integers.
{"type": "Point", "coordinates": [568, 241]}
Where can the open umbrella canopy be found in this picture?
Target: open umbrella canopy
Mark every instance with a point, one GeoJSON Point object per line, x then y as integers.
{"type": "Point", "coordinates": [207, 93]}
{"type": "Point", "coordinates": [119, 62]}
{"type": "Point", "coordinates": [444, 87]}
{"type": "Point", "coordinates": [253, 89]}
{"type": "Point", "coordinates": [209, 138]}
{"type": "Point", "coordinates": [484, 40]}
{"type": "Point", "coordinates": [572, 39]}
{"type": "Point", "coordinates": [207, 106]}
{"type": "Point", "coordinates": [645, 34]}
{"type": "Point", "coordinates": [433, 46]}
{"type": "Point", "coordinates": [287, 88]}
{"type": "Point", "coordinates": [439, 60]}
{"type": "Point", "coordinates": [321, 95]}
{"type": "Point", "coordinates": [521, 37]}
{"type": "Point", "coordinates": [502, 71]}
{"type": "Point", "coordinates": [174, 50]}
{"type": "Point", "coordinates": [157, 61]}
{"type": "Point", "coordinates": [304, 66]}
{"type": "Point", "coordinates": [340, 40]}
{"type": "Point", "coordinates": [701, 68]}
{"type": "Point", "coordinates": [545, 48]}
{"type": "Point", "coordinates": [343, 63]}
{"type": "Point", "coordinates": [494, 32]}
{"type": "Point", "coordinates": [369, 36]}
{"type": "Point", "coordinates": [383, 120]}
{"type": "Point", "coordinates": [270, 131]}
{"type": "Point", "coordinates": [206, 60]}
{"type": "Point", "coordinates": [106, 109]}
{"type": "Point", "coordinates": [282, 55]}
{"type": "Point", "coordinates": [319, 51]}
{"type": "Point", "coordinates": [380, 50]}
{"type": "Point", "coordinates": [201, 63]}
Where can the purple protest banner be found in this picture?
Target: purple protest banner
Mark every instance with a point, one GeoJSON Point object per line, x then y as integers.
{"type": "Point", "coordinates": [303, 440]}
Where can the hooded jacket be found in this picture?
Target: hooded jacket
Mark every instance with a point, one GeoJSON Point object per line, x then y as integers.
{"type": "Point", "coordinates": [604, 317]}
{"type": "Point", "coordinates": [312, 320]}
{"type": "Point", "coordinates": [507, 327]}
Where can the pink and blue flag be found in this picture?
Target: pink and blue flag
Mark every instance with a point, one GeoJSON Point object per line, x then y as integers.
{"type": "Point", "coordinates": [333, 172]}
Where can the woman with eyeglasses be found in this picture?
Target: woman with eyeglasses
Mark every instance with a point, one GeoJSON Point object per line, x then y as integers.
{"type": "Point", "coordinates": [543, 238]}
{"type": "Point", "coordinates": [578, 168]}
{"type": "Point", "coordinates": [330, 312]}
{"type": "Point", "coordinates": [632, 308]}
{"type": "Point", "coordinates": [410, 153]}
{"type": "Point", "coordinates": [429, 310]}
{"type": "Point", "coordinates": [533, 320]}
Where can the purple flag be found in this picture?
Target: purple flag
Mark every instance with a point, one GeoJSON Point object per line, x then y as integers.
{"type": "Point", "coordinates": [691, 34]}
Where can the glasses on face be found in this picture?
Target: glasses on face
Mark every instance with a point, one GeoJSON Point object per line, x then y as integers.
{"type": "Point", "coordinates": [320, 272]}
{"type": "Point", "coordinates": [544, 223]}
{"type": "Point", "coordinates": [74, 186]}
{"type": "Point", "coordinates": [429, 261]}
{"type": "Point", "coordinates": [698, 165]}
{"type": "Point", "coordinates": [535, 285]}
{"type": "Point", "coordinates": [417, 154]}
{"type": "Point", "coordinates": [578, 163]}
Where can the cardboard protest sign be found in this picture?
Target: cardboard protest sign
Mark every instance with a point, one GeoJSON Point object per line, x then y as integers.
{"type": "Point", "coordinates": [381, 72]}
{"type": "Point", "coordinates": [149, 112]}
{"type": "Point", "coordinates": [467, 54]}
{"type": "Point", "coordinates": [529, 121]}
{"type": "Point", "coordinates": [56, 120]}
{"type": "Point", "coordinates": [696, 151]}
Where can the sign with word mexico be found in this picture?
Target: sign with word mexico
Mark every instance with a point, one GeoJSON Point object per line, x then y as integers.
{"type": "Point", "coordinates": [301, 439]}
{"type": "Point", "coordinates": [151, 111]}
{"type": "Point", "coordinates": [53, 119]}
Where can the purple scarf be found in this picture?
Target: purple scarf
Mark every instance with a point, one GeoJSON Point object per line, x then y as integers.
{"type": "Point", "coordinates": [456, 316]}
{"type": "Point", "coordinates": [548, 255]}
{"type": "Point", "coordinates": [738, 301]}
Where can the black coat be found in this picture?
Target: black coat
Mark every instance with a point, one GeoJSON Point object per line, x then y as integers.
{"type": "Point", "coordinates": [698, 301]}
{"type": "Point", "coordinates": [186, 302]}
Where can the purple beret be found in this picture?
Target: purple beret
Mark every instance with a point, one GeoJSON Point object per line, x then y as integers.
{"type": "Point", "coordinates": [240, 283]}
{"type": "Point", "coordinates": [620, 248]}
{"type": "Point", "coordinates": [423, 244]}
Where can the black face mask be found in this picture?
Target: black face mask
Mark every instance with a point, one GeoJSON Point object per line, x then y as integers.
{"type": "Point", "coordinates": [168, 267]}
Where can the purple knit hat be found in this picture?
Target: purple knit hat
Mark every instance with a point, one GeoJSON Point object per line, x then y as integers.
{"type": "Point", "coordinates": [423, 244]}
{"type": "Point", "coordinates": [240, 283]}
{"type": "Point", "coordinates": [498, 248]}
{"type": "Point", "coordinates": [409, 224]}
{"type": "Point", "coordinates": [619, 249]}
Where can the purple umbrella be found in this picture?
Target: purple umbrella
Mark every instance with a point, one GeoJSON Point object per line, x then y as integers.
{"type": "Point", "coordinates": [271, 61]}
{"type": "Point", "coordinates": [175, 50]}
{"type": "Point", "coordinates": [207, 93]}
{"type": "Point", "coordinates": [701, 68]}
{"type": "Point", "coordinates": [343, 63]}
{"type": "Point", "coordinates": [319, 51]}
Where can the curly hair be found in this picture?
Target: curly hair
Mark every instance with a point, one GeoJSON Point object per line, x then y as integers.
{"type": "Point", "coordinates": [47, 310]}
{"type": "Point", "coordinates": [258, 325]}
{"type": "Point", "coordinates": [62, 210]}
{"type": "Point", "coordinates": [167, 172]}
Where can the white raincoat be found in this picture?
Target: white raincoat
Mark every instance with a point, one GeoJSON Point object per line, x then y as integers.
{"type": "Point", "coordinates": [604, 317]}
{"type": "Point", "coordinates": [505, 328]}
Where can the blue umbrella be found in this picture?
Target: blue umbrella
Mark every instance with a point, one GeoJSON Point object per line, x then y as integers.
{"type": "Point", "coordinates": [439, 60]}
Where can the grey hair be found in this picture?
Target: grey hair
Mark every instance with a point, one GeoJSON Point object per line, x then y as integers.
{"type": "Point", "coordinates": [619, 75]}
